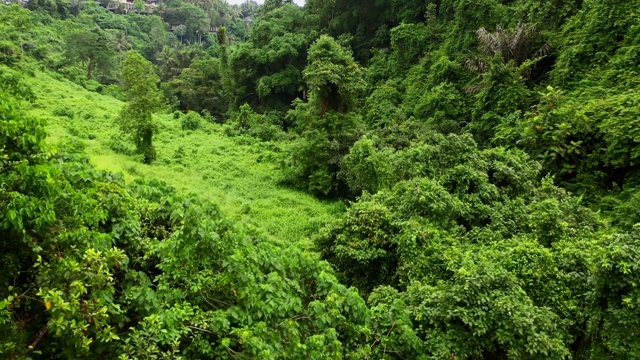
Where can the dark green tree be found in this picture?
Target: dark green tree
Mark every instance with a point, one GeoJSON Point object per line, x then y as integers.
{"type": "Point", "coordinates": [193, 19]}
{"type": "Point", "coordinates": [92, 49]}
{"type": "Point", "coordinates": [267, 68]}
{"type": "Point", "coordinates": [199, 87]}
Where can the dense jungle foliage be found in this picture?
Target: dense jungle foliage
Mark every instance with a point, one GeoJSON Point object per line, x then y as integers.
{"type": "Point", "coordinates": [437, 179]}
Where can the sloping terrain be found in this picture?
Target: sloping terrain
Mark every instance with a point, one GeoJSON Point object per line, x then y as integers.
{"type": "Point", "coordinates": [238, 174]}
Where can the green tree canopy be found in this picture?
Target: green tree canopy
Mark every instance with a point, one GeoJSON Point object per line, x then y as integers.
{"type": "Point", "coordinates": [92, 49]}
{"type": "Point", "coordinates": [268, 67]}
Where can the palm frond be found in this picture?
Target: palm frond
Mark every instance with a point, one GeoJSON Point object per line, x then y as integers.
{"type": "Point", "coordinates": [543, 51]}
{"type": "Point", "coordinates": [511, 45]}
{"type": "Point", "coordinates": [488, 41]}
{"type": "Point", "coordinates": [476, 65]}
{"type": "Point", "coordinates": [473, 89]}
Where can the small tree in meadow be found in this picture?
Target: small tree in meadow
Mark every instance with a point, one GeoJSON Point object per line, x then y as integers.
{"type": "Point", "coordinates": [140, 85]}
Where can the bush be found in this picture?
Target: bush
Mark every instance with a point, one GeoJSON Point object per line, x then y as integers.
{"type": "Point", "coordinates": [367, 168]}
{"type": "Point", "coordinates": [179, 155]}
{"type": "Point", "coordinates": [79, 131]}
{"type": "Point", "coordinates": [245, 118]}
{"type": "Point", "coordinates": [75, 74]}
{"type": "Point", "coordinates": [208, 117]}
{"type": "Point", "coordinates": [113, 91]}
{"type": "Point", "coordinates": [9, 53]}
{"type": "Point", "coordinates": [63, 111]}
{"type": "Point", "coordinates": [191, 121]}
{"type": "Point", "coordinates": [93, 85]}
{"type": "Point", "coordinates": [119, 146]}
{"type": "Point", "coordinates": [267, 127]}
{"type": "Point", "coordinates": [267, 132]}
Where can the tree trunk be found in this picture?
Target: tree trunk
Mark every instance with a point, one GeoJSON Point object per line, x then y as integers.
{"type": "Point", "coordinates": [90, 68]}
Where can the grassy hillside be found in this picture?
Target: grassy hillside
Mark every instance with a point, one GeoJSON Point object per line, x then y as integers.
{"type": "Point", "coordinates": [237, 173]}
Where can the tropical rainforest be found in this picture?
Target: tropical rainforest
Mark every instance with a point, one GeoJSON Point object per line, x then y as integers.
{"type": "Point", "coordinates": [343, 179]}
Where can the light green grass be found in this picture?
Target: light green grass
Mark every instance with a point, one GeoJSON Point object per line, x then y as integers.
{"type": "Point", "coordinates": [241, 178]}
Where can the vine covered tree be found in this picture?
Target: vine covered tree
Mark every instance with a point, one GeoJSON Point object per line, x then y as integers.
{"type": "Point", "coordinates": [327, 123]}
{"type": "Point", "coordinates": [333, 77]}
{"type": "Point", "coordinates": [140, 84]}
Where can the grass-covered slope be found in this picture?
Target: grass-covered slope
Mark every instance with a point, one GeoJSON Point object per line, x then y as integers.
{"type": "Point", "coordinates": [238, 174]}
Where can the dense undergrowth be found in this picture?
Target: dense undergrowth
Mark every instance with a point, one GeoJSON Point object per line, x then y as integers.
{"type": "Point", "coordinates": [349, 179]}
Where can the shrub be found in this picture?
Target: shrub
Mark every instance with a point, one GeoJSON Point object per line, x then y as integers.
{"type": "Point", "coordinates": [93, 85]}
{"type": "Point", "coordinates": [191, 121]}
{"type": "Point", "coordinates": [267, 127]}
{"type": "Point", "coordinates": [63, 111]}
{"type": "Point", "coordinates": [367, 168]}
{"type": "Point", "coordinates": [78, 131]}
{"type": "Point", "coordinates": [267, 132]}
{"type": "Point", "coordinates": [9, 53]}
{"type": "Point", "coordinates": [119, 146]}
{"type": "Point", "coordinates": [180, 154]}
{"type": "Point", "coordinates": [114, 91]}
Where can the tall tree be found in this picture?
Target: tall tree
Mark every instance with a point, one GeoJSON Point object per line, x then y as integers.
{"type": "Point", "coordinates": [91, 48]}
{"type": "Point", "coordinates": [333, 77]}
{"type": "Point", "coordinates": [199, 87]}
{"type": "Point", "coordinates": [517, 45]}
{"type": "Point", "coordinates": [140, 84]}
{"type": "Point", "coordinates": [328, 124]}
{"type": "Point", "coordinates": [269, 66]}
{"type": "Point", "coordinates": [196, 22]}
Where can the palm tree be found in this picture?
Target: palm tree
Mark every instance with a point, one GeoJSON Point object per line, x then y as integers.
{"type": "Point", "coordinates": [120, 43]}
{"type": "Point", "coordinates": [175, 59]}
{"type": "Point", "coordinates": [516, 46]}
